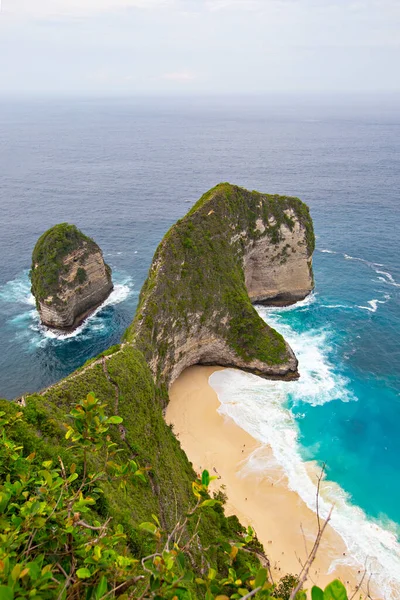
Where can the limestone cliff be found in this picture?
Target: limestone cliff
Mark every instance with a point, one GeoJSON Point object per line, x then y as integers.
{"type": "Point", "coordinates": [233, 248]}
{"type": "Point", "coordinates": [69, 277]}
{"type": "Point", "coordinates": [279, 273]}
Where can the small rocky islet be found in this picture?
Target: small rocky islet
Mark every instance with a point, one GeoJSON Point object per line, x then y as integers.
{"type": "Point", "coordinates": [69, 277]}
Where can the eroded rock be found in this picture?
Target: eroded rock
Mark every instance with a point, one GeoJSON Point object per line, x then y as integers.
{"type": "Point", "coordinates": [69, 277]}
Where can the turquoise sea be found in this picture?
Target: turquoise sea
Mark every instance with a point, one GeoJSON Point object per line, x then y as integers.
{"type": "Point", "coordinates": [125, 170]}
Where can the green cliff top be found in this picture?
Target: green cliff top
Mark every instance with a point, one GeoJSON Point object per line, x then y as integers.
{"type": "Point", "coordinates": [48, 255]}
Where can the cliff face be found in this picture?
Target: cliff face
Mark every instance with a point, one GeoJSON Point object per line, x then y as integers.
{"type": "Point", "coordinates": [233, 248]}
{"type": "Point", "coordinates": [69, 277]}
{"type": "Point", "coordinates": [279, 274]}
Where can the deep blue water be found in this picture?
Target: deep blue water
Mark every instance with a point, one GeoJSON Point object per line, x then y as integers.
{"type": "Point", "coordinates": [125, 170]}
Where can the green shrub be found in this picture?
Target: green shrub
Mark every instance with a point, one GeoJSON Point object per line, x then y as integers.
{"type": "Point", "coordinates": [58, 541]}
{"type": "Point", "coordinates": [81, 275]}
{"type": "Point", "coordinates": [48, 268]}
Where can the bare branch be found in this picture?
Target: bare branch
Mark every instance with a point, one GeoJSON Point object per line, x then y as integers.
{"type": "Point", "coordinates": [311, 557]}
{"type": "Point", "coordinates": [62, 570]}
{"type": "Point", "coordinates": [318, 490]}
{"type": "Point", "coordinates": [251, 594]}
{"type": "Point", "coordinates": [146, 558]}
{"type": "Point", "coordinates": [87, 526]}
{"type": "Point", "coordinates": [126, 585]}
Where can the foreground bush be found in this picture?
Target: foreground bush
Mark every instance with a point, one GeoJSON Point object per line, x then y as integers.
{"type": "Point", "coordinates": [54, 545]}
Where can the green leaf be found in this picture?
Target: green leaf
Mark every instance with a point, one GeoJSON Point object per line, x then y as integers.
{"type": "Point", "coordinates": [188, 577]}
{"type": "Point", "coordinates": [101, 588]}
{"type": "Point", "coordinates": [205, 478]}
{"type": "Point", "coordinates": [4, 500]}
{"type": "Point", "coordinates": [15, 572]}
{"type": "Point", "coordinates": [335, 591]}
{"type": "Point", "coordinates": [34, 570]}
{"type": "Point", "coordinates": [6, 593]}
{"type": "Point", "coordinates": [181, 560]}
{"type": "Point", "coordinates": [47, 477]}
{"type": "Point", "coordinates": [317, 593]}
{"type": "Point", "coordinates": [156, 519]}
{"type": "Point", "coordinates": [209, 503]}
{"type": "Point", "coordinates": [114, 420]}
{"type": "Point", "coordinates": [149, 527]}
{"type": "Point", "coordinates": [212, 573]}
{"type": "Point", "coordinates": [261, 578]}
{"type": "Point", "coordinates": [83, 573]}
{"type": "Point", "coordinates": [91, 399]}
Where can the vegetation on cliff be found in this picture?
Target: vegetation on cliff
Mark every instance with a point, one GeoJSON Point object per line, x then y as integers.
{"type": "Point", "coordinates": [124, 384]}
{"type": "Point", "coordinates": [49, 272]}
{"type": "Point", "coordinates": [197, 278]}
{"type": "Point", "coordinates": [56, 541]}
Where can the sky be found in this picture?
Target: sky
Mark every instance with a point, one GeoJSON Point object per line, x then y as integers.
{"type": "Point", "coordinates": [199, 46]}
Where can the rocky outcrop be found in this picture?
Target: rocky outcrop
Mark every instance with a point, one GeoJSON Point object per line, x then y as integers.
{"type": "Point", "coordinates": [279, 274]}
{"type": "Point", "coordinates": [233, 249]}
{"type": "Point", "coordinates": [69, 277]}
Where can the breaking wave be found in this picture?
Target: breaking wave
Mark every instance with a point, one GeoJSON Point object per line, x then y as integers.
{"type": "Point", "coordinates": [262, 409]}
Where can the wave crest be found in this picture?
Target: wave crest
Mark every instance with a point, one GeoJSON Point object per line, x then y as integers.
{"type": "Point", "coordinates": [27, 322]}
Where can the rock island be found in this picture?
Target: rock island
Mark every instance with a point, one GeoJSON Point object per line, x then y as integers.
{"type": "Point", "coordinates": [69, 277]}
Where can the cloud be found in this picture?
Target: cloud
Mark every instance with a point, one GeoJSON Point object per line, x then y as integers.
{"type": "Point", "coordinates": [74, 8]}
{"type": "Point", "coordinates": [179, 76]}
{"type": "Point", "coordinates": [53, 9]}
{"type": "Point", "coordinates": [267, 5]}
{"type": "Point", "coordinates": [214, 5]}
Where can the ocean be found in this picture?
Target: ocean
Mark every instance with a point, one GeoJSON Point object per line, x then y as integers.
{"type": "Point", "coordinates": [124, 170]}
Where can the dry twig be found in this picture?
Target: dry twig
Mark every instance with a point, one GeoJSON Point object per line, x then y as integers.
{"type": "Point", "coordinates": [311, 557]}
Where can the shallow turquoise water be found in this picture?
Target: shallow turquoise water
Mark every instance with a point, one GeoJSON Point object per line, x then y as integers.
{"type": "Point", "coordinates": [343, 411]}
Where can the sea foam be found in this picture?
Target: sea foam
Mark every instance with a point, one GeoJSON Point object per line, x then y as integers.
{"type": "Point", "coordinates": [119, 294]}
{"type": "Point", "coordinates": [18, 290]}
{"type": "Point", "coordinates": [260, 407]}
{"type": "Point", "coordinates": [385, 277]}
{"type": "Point", "coordinates": [27, 322]}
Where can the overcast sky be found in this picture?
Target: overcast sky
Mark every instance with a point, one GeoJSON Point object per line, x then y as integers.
{"type": "Point", "coordinates": [207, 46]}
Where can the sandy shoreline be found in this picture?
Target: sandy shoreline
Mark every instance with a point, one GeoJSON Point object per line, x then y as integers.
{"type": "Point", "coordinates": [284, 524]}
